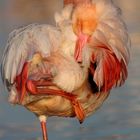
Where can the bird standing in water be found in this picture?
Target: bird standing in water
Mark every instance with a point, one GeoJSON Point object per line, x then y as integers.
{"type": "Point", "coordinates": [67, 70]}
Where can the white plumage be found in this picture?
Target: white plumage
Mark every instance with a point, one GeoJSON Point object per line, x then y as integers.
{"type": "Point", "coordinates": [23, 43]}
{"type": "Point", "coordinates": [53, 55]}
{"type": "Point", "coordinates": [57, 44]}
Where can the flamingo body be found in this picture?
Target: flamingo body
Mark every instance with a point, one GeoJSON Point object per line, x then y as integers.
{"type": "Point", "coordinates": [70, 69]}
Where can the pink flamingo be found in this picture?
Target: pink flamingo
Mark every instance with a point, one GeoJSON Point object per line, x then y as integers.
{"type": "Point", "coordinates": [67, 70]}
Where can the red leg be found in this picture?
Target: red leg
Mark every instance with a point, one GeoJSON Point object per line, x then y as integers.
{"type": "Point", "coordinates": [33, 89]}
{"type": "Point", "coordinates": [79, 112]}
{"type": "Point", "coordinates": [43, 126]}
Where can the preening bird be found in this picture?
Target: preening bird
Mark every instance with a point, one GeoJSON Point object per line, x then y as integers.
{"type": "Point", "coordinates": [67, 70]}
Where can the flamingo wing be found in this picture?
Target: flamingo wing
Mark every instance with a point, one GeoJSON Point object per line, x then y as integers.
{"type": "Point", "coordinates": [22, 44]}
{"type": "Point", "coordinates": [110, 47]}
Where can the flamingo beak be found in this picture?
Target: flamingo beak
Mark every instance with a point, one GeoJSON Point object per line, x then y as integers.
{"type": "Point", "coordinates": [80, 44]}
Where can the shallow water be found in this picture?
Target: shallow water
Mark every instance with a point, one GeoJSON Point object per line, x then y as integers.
{"type": "Point", "coordinates": [119, 117]}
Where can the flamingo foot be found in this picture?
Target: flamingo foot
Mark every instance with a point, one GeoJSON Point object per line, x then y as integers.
{"type": "Point", "coordinates": [43, 126]}
{"type": "Point", "coordinates": [35, 88]}
{"type": "Point", "coordinates": [79, 112]}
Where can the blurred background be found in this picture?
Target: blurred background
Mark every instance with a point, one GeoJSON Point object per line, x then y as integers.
{"type": "Point", "coordinates": [119, 117]}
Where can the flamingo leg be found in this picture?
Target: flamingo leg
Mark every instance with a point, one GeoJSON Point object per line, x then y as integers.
{"type": "Point", "coordinates": [76, 105]}
{"type": "Point", "coordinates": [43, 126]}
{"type": "Point", "coordinates": [34, 88]}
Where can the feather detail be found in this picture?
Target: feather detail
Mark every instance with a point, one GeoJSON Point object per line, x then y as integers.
{"type": "Point", "coordinates": [109, 71]}
{"type": "Point", "coordinates": [64, 16]}
{"type": "Point", "coordinates": [23, 43]}
{"type": "Point", "coordinates": [110, 47]}
{"type": "Point", "coordinates": [111, 30]}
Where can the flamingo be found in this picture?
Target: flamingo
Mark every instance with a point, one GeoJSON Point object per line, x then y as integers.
{"type": "Point", "coordinates": [67, 70]}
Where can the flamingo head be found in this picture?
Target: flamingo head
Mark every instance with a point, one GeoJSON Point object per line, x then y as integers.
{"type": "Point", "coordinates": [84, 24]}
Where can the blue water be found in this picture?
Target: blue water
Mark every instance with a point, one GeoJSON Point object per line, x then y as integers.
{"type": "Point", "coordinates": [119, 117]}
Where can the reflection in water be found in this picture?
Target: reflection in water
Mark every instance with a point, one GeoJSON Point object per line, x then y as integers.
{"type": "Point", "coordinates": [118, 119]}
